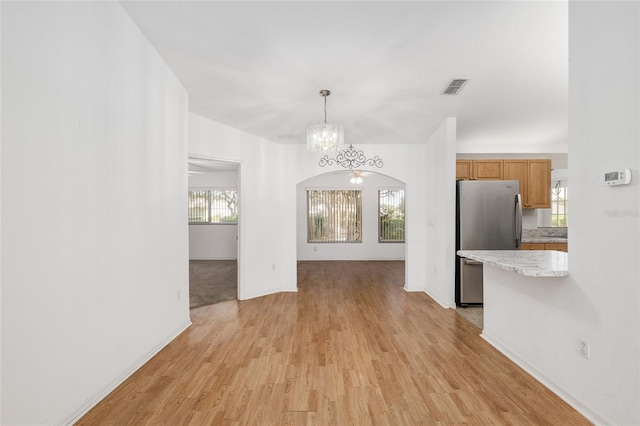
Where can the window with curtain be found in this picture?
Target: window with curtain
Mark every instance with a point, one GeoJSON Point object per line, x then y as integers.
{"type": "Point", "coordinates": [334, 216]}
{"type": "Point", "coordinates": [213, 206]}
{"type": "Point", "coordinates": [391, 215]}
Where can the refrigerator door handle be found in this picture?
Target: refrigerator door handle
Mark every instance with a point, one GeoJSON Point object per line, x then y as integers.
{"type": "Point", "coordinates": [517, 228]}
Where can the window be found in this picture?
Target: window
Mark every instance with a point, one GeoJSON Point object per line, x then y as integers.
{"type": "Point", "coordinates": [391, 217]}
{"type": "Point", "coordinates": [334, 216]}
{"type": "Point", "coordinates": [209, 206]}
{"type": "Point", "coordinates": [559, 205]}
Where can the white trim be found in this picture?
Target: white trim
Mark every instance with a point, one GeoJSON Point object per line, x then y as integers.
{"type": "Point", "coordinates": [413, 288]}
{"type": "Point", "coordinates": [211, 258]}
{"type": "Point", "coordinates": [440, 302]}
{"type": "Point", "coordinates": [567, 397]}
{"type": "Point", "coordinates": [359, 259]}
{"type": "Point", "coordinates": [267, 293]}
{"type": "Point", "coordinates": [93, 401]}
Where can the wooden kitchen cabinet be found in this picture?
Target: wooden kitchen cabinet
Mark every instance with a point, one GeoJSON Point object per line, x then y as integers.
{"type": "Point", "coordinates": [463, 169]}
{"type": "Point", "coordinates": [532, 246]}
{"type": "Point", "coordinates": [534, 177]}
{"type": "Point", "coordinates": [538, 184]}
{"type": "Point", "coordinates": [535, 181]}
{"type": "Point", "coordinates": [545, 246]}
{"type": "Point", "coordinates": [479, 169]}
{"type": "Point", "coordinates": [488, 169]}
{"type": "Point", "coordinates": [556, 246]}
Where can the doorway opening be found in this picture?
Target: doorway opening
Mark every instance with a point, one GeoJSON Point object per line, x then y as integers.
{"type": "Point", "coordinates": [340, 217]}
{"type": "Point", "coordinates": [214, 216]}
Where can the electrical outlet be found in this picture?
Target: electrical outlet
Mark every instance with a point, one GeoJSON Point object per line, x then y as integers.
{"type": "Point", "coordinates": [583, 348]}
{"type": "Point", "coordinates": [178, 295]}
{"type": "Point", "coordinates": [273, 267]}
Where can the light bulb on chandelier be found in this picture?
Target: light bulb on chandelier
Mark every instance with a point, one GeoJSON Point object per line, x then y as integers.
{"type": "Point", "coordinates": [325, 137]}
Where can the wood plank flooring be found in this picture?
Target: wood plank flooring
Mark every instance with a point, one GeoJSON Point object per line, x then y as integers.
{"type": "Point", "coordinates": [350, 348]}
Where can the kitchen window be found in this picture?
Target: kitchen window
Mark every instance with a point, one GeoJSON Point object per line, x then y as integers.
{"type": "Point", "coordinates": [559, 205]}
{"type": "Point", "coordinates": [213, 206]}
{"type": "Point", "coordinates": [334, 216]}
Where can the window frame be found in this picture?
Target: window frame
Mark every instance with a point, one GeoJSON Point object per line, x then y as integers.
{"type": "Point", "coordinates": [559, 201]}
{"type": "Point", "coordinates": [404, 216]}
{"type": "Point", "coordinates": [209, 205]}
{"type": "Point", "coordinates": [358, 226]}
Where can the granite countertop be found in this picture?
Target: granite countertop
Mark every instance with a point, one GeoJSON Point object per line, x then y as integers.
{"type": "Point", "coordinates": [553, 240]}
{"type": "Point", "coordinates": [551, 235]}
{"type": "Point", "coordinates": [531, 263]}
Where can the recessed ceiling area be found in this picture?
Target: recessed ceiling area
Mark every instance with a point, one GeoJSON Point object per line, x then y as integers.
{"type": "Point", "coordinates": [258, 67]}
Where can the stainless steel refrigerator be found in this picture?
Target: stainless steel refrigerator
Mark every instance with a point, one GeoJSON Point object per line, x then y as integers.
{"type": "Point", "coordinates": [488, 217]}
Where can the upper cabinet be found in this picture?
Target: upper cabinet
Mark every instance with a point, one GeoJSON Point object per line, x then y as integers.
{"type": "Point", "coordinates": [534, 177]}
{"type": "Point", "coordinates": [539, 184]}
{"type": "Point", "coordinates": [535, 181]}
{"type": "Point", "coordinates": [463, 169]}
{"type": "Point", "coordinates": [479, 169]}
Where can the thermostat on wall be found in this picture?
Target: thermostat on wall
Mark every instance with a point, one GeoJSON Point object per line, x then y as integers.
{"type": "Point", "coordinates": [619, 177]}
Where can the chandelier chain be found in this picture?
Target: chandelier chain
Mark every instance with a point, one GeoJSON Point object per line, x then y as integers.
{"type": "Point", "coordinates": [325, 109]}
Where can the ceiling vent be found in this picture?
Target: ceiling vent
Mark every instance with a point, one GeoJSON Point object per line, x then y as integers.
{"type": "Point", "coordinates": [455, 86]}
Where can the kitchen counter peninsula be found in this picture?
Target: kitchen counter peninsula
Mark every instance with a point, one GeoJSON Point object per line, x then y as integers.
{"type": "Point", "coordinates": [531, 263]}
{"type": "Point", "coordinates": [524, 292]}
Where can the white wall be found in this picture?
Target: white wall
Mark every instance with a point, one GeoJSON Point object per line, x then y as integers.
{"type": "Point", "coordinates": [604, 106]}
{"type": "Point", "coordinates": [219, 241]}
{"type": "Point", "coordinates": [94, 138]}
{"type": "Point", "coordinates": [530, 218]}
{"type": "Point", "coordinates": [213, 242]}
{"type": "Point", "coordinates": [539, 321]}
{"type": "Point", "coordinates": [267, 244]}
{"type": "Point", "coordinates": [440, 186]}
{"type": "Point", "coordinates": [369, 248]}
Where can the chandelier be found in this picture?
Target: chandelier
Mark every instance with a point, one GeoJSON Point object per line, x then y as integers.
{"type": "Point", "coordinates": [325, 137]}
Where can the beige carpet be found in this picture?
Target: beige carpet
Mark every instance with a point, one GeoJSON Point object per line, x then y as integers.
{"type": "Point", "coordinates": [212, 281]}
{"type": "Point", "coordinates": [473, 314]}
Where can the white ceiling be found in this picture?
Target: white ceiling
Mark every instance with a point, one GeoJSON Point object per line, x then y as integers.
{"type": "Point", "coordinates": [258, 66]}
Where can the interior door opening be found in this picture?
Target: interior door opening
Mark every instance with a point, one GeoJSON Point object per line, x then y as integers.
{"type": "Point", "coordinates": [214, 215]}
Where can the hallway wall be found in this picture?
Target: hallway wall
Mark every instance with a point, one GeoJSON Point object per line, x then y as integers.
{"type": "Point", "coordinates": [94, 225]}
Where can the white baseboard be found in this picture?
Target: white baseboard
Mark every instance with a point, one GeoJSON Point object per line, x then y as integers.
{"type": "Point", "coordinates": [266, 293]}
{"type": "Point", "coordinates": [94, 400]}
{"type": "Point", "coordinates": [567, 397]}
{"type": "Point", "coordinates": [349, 259]}
{"type": "Point", "coordinates": [415, 289]}
{"type": "Point", "coordinates": [439, 301]}
{"type": "Point", "coordinates": [412, 288]}
{"type": "Point", "coordinates": [211, 258]}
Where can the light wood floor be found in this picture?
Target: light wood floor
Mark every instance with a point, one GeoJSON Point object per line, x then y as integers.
{"type": "Point", "coordinates": [350, 348]}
